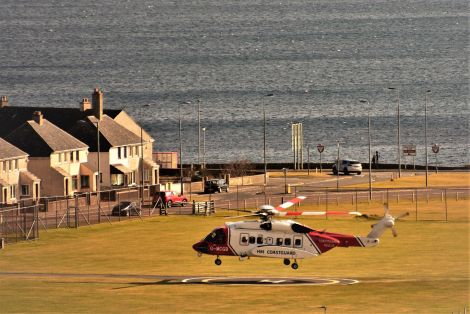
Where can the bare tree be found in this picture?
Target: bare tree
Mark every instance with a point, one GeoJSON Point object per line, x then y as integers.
{"type": "Point", "coordinates": [239, 168]}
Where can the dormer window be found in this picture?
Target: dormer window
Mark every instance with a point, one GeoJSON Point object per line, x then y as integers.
{"type": "Point", "coordinates": [119, 152]}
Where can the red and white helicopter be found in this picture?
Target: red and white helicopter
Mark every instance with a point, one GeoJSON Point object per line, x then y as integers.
{"type": "Point", "coordinates": [286, 239]}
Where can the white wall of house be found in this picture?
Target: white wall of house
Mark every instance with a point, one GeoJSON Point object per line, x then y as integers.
{"type": "Point", "coordinates": [68, 161]}
{"type": "Point", "coordinates": [10, 174]}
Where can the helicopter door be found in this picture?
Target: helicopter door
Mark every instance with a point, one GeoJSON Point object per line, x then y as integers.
{"type": "Point", "coordinates": [297, 241]}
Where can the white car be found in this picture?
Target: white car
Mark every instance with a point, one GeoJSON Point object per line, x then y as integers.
{"type": "Point", "coordinates": [347, 166]}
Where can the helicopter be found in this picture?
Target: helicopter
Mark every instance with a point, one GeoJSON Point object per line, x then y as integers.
{"type": "Point", "coordinates": [285, 239]}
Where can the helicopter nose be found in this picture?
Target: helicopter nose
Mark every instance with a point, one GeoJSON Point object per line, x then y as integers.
{"type": "Point", "coordinates": [201, 247]}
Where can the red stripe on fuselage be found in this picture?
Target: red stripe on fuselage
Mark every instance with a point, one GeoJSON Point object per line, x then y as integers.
{"type": "Point", "coordinates": [345, 240]}
{"type": "Point", "coordinates": [323, 242]}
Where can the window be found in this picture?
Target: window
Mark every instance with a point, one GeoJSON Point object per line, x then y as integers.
{"type": "Point", "coordinates": [74, 182]}
{"type": "Point", "coordinates": [125, 152]}
{"type": "Point", "coordinates": [298, 242]}
{"type": "Point", "coordinates": [71, 156]}
{"type": "Point", "coordinates": [279, 241]}
{"type": "Point", "coordinates": [13, 191]}
{"type": "Point", "coordinates": [287, 241]}
{"type": "Point", "coordinates": [269, 240]}
{"type": "Point", "coordinates": [85, 182]}
{"type": "Point", "coordinates": [15, 162]}
{"type": "Point", "coordinates": [119, 152]}
{"type": "Point", "coordinates": [77, 156]}
{"type": "Point", "coordinates": [117, 179]}
{"type": "Point", "coordinates": [244, 239]}
{"type": "Point", "coordinates": [252, 240]}
{"type": "Point", "coordinates": [24, 190]}
{"type": "Point", "coordinates": [216, 236]}
{"type": "Point", "coordinates": [10, 165]}
{"type": "Point", "coordinates": [259, 239]}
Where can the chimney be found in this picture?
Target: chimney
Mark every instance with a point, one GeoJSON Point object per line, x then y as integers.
{"type": "Point", "coordinates": [97, 103]}
{"type": "Point", "coordinates": [4, 101]}
{"type": "Point", "coordinates": [38, 117]}
{"type": "Point", "coordinates": [85, 104]}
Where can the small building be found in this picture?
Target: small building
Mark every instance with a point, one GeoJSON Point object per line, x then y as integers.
{"type": "Point", "coordinates": [16, 182]}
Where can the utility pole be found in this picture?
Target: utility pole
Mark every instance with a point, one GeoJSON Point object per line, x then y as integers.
{"type": "Point", "coordinates": [426, 131]}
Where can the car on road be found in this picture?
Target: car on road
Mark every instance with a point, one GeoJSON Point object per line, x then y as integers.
{"type": "Point", "coordinates": [347, 166]}
{"type": "Point", "coordinates": [215, 185]}
{"type": "Point", "coordinates": [126, 208]}
{"type": "Point", "coordinates": [169, 198]}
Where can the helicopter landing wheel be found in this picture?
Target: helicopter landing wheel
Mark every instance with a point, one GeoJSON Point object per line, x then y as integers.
{"type": "Point", "coordinates": [295, 265]}
{"type": "Point", "coordinates": [218, 261]}
{"type": "Point", "coordinates": [286, 262]}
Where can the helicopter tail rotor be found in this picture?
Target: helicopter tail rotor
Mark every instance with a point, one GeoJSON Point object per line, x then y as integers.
{"type": "Point", "coordinates": [387, 221]}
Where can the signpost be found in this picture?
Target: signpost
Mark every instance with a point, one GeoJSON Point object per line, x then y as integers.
{"type": "Point", "coordinates": [320, 148]}
{"type": "Point", "coordinates": [410, 150]}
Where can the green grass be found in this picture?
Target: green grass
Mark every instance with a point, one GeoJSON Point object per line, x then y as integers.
{"type": "Point", "coordinates": [424, 270]}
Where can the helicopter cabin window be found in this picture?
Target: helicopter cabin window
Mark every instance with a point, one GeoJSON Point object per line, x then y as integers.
{"type": "Point", "coordinates": [279, 241]}
{"type": "Point", "coordinates": [287, 241]}
{"type": "Point", "coordinates": [259, 239]}
{"type": "Point", "coordinates": [269, 240]}
{"type": "Point", "coordinates": [252, 239]}
{"type": "Point", "coordinates": [217, 236]}
{"type": "Point", "coordinates": [298, 242]}
{"type": "Point", "coordinates": [243, 239]}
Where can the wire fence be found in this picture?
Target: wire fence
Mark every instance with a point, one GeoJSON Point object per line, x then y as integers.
{"type": "Point", "coordinates": [27, 221]}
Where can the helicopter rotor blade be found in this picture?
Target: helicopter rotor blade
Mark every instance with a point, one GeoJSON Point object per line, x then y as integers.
{"type": "Point", "coordinates": [290, 203]}
{"type": "Point", "coordinates": [241, 216]}
{"type": "Point", "coordinates": [318, 213]}
{"type": "Point", "coordinates": [394, 232]}
{"type": "Point", "coordinates": [402, 215]}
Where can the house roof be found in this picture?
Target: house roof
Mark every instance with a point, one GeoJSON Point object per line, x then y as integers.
{"type": "Point", "coordinates": [12, 117]}
{"type": "Point", "coordinates": [8, 151]}
{"type": "Point", "coordinates": [41, 140]}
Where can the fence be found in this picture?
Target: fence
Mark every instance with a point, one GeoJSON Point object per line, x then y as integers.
{"type": "Point", "coordinates": [27, 222]}
{"type": "Point", "coordinates": [440, 204]}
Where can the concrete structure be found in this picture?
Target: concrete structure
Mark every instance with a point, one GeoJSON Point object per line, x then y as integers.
{"type": "Point", "coordinates": [54, 155]}
{"type": "Point", "coordinates": [16, 182]}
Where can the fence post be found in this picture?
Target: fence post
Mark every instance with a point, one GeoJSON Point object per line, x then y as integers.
{"type": "Point", "coordinates": [76, 211]}
{"type": "Point", "coordinates": [326, 204]}
{"type": "Point", "coordinates": [194, 207]}
{"type": "Point", "coordinates": [445, 191]}
{"type": "Point", "coordinates": [416, 215]}
{"type": "Point", "coordinates": [56, 219]}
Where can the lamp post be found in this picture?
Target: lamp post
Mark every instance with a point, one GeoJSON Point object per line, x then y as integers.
{"type": "Point", "coordinates": [337, 166]}
{"type": "Point", "coordinates": [398, 129]}
{"type": "Point", "coordinates": [98, 178]}
{"type": "Point", "coordinates": [181, 148]}
{"type": "Point", "coordinates": [426, 131]}
{"type": "Point", "coordinates": [142, 183]}
{"type": "Point", "coordinates": [204, 148]}
{"type": "Point", "coordinates": [199, 132]}
{"type": "Point", "coordinates": [369, 140]}
{"type": "Point", "coordinates": [264, 143]}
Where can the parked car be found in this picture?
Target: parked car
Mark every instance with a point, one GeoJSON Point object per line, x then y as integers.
{"type": "Point", "coordinates": [348, 166]}
{"type": "Point", "coordinates": [215, 185]}
{"type": "Point", "coordinates": [169, 198]}
{"type": "Point", "coordinates": [126, 208]}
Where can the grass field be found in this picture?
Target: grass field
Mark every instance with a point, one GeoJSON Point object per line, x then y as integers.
{"type": "Point", "coordinates": [424, 270]}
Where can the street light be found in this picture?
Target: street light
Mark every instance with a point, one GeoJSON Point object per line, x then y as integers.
{"type": "Point", "coordinates": [368, 132]}
{"type": "Point", "coordinates": [398, 127]}
{"type": "Point", "coordinates": [199, 132]}
{"type": "Point", "coordinates": [426, 131]}
{"type": "Point", "coordinates": [264, 143]}
{"type": "Point", "coordinates": [204, 148]}
{"type": "Point", "coordinates": [142, 156]}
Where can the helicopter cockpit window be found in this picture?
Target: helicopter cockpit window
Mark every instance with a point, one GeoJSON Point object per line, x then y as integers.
{"type": "Point", "coordinates": [217, 236]}
{"type": "Point", "coordinates": [252, 240]}
{"type": "Point", "coordinates": [259, 240]}
{"type": "Point", "coordinates": [244, 239]}
{"type": "Point", "coordinates": [287, 241]}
